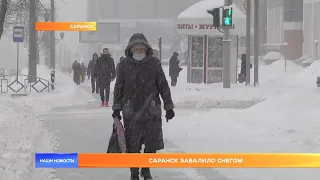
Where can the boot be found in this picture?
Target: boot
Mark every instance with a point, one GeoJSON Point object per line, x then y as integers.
{"type": "Point", "coordinates": [134, 173]}
{"type": "Point", "coordinates": [145, 173]}
{"type": "Point", "coordinates": [102, 104]}
{"type": "Point", "coordinates": [106, 104]}
{"type": "Point", "coordinates": [92, 91]}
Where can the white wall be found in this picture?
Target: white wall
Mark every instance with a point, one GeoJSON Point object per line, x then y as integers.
{"type": "Point", "coordinates": [311, 28]}
{"type": "Point", "coordinates": [275, 25]}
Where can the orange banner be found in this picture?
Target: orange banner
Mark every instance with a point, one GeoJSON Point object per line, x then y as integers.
{"type": "Point", "coordinates": [199, 160]}
{"type": "Point", "coordinates": [66, 26]}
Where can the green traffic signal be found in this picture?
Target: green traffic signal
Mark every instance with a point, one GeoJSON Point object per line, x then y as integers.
{"type": "Point", "coordinates": [229, 12]}
{"type": "Point", "coordinates": [227, 21]}
{"type": "Point", "coordinates": [227, 17]}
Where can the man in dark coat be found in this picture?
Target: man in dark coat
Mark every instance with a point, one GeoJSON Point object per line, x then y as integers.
{"type": "Point", "coordinates": [243, 71]}
{"type": "Point", "coordinates": [140, 81]}
{"type": "Point", "coordinates": [174, 69]}
{"type": "Point", "coordinates": [76, 72]}
{"type": "Point", "coordinates": [105, 73]}
{"type": "Point", "coordinates": [90, 71]}
{"type": "Point", "coordinates": [83, 70]}
{"type": "Point", "coordinates": [121, 59]}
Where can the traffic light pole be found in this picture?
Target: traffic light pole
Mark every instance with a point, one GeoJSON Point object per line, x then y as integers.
{"type": "Point", "coordinates": [248, 43]}
{"type": "Point", "coordinates": [226, 53]}
{"type": "Point", "coordinates": [256, 42]}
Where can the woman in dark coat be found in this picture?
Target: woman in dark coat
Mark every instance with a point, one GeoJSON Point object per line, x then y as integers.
{"type": "Point", "coordinates": [76, 72]}
{"type": "Point", "coordinates": [140, 82]}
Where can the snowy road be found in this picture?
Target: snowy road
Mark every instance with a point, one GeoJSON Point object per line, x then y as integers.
{"type": "Point", "coordinates": [87, 128]}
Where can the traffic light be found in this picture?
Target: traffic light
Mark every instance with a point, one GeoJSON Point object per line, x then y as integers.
{"type": "Point", "coordinates": [216, 17]}
{"type": "Point", "coordinates": [227, 17]}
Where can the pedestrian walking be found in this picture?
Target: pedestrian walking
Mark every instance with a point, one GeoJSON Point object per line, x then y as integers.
{"type": "Point", "coordinates": [243, 71]}
{"type": "Point", "coordinates": [139, 84]}
{"type": "Point", "coordinates": [83, 70]}
{"type": "Point", "coordinates": [174, 69]}
{"type": "Point", "coordinates": [121, 59]}
{"type": "Point", "coordinates": [90, 71]}
{"type": "Point", "coordinates": [76, 72]}
{"type": "Point", "coordinates": [105, 73]}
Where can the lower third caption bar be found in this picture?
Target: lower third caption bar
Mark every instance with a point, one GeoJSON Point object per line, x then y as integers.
{"type": "Point", "coordinates": [54, 160]}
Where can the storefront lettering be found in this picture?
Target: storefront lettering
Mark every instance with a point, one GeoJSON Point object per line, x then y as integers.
{"type": "Point", "coordinates": [200, 26]}
{"type": "Point", "coordinates": [205, 26]}
{"type": "Point", "coordinates": [185, 26]}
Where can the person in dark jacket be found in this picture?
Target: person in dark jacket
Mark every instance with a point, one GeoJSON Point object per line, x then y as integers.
{"type": "Point", "coordinates": [90, 71]}
{"type": "Point", "coordinates": [105, 73]}
{"type": "Point", "coordinates": [140, 81]}
{"type": "Point", "coordinates": [121, 59]}
{"type": "Point", "coordinates": [83, 70]}
{"type": "Point", "coordinates": [174, 69]}
{"type": "Point", "coordinates": [243, 71]}
{"type": "Point", "coordinates": [76, 72]}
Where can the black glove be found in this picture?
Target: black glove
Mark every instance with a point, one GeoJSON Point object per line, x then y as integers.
{"type": "Point", "coordinates": [170, 114]}
{"type": "Point", "coordinates": [116, 114]}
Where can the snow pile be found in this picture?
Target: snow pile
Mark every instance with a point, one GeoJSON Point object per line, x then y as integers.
{"type": "Point", "coordinates": [273, 55]}
{"type": "Point", "coordinates": [276, 72]}
{"type": "Point", "coordinates": [66, 92]}
{"type": "Point", "coordinates": [22, 134]}
{"type": "Point", "coordinates": [191, 95]}
{"type": "Point", "coordinates": [306, 77]}
{"type": "Point", "coordinates": [286, 122]}
{"type": "Point", "coordinates": [308, 61]}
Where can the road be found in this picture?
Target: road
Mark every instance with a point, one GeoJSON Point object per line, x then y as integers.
{"type": "Point", "coordinates": [87, 128]}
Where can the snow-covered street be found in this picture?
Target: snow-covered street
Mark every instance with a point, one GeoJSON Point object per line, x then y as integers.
{"type": "Point", "coordinates": [87, 128]}
{"type": "Point", "coordinates": [281, 115]}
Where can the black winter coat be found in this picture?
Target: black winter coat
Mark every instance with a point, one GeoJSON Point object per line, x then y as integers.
{"type": "Point", "coordinates": [174, 68]}
{"type": "Point", "coordinates": [104, 69]}
{"type": "Point", "coordinates": [244, 66]}
{"type": "Point", "coordinates": [138, 87]}
{"type": "Point", "coordinates": [91, 66]}
{"type": "Point", "coordinates": [76, 69]}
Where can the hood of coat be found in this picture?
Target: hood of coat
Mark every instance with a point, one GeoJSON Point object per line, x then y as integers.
{"type": "Point", "coordinates": [138, 38]}
{"type": "Point", "coordinates": [95, 55]}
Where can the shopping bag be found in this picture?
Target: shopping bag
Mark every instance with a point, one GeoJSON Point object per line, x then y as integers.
{"type": "Point", "coordinates": [113, 146]}
{"type": "Point", "coordinates": [121, 136]}
{"type": "Point", "coordinates": [117, 141]}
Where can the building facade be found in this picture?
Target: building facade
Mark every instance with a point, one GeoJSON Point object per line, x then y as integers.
{"type": "Point", "coordinates": [154, 18]}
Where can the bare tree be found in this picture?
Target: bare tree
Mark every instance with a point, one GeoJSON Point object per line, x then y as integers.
{"type": "Point", "coordinates": [17, 13]}
{"type": "Point", "coordinates": [3, 12]}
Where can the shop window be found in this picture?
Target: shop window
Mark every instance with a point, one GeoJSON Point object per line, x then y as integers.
{"type": "Point", "coordinates": [196, 76]}
{"type": "Point", "coordinates": [197, 51]}
{"type": "Point", "coordinates": [215, 52]}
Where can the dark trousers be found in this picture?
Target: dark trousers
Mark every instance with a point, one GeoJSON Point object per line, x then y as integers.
{"type": "Point", "coordinates": [76, 79]}
{"type": "Point", "coordinates": [144, 170]}
{"type": "Point", "coordinates": [104, 90]}
{"type": "Point", "coordinates": [94, 85]}
{"type": "Point", "coordinates": [174, 80]}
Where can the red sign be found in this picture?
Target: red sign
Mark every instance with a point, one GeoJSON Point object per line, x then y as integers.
{"type": "Point", "coordinates": [199, 26]}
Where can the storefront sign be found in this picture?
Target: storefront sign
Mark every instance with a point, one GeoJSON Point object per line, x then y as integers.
{"type": "Point", "coordinates": [199, 26]}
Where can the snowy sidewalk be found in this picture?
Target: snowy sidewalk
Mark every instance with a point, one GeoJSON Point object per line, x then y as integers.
{"type": "Point", "coordinates": [87, 128]}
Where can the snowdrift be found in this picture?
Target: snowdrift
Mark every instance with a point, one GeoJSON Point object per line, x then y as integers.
{"type": "Point", "coordinates": [22, 134]}
{"type": "Point", "coordinates": [287, 122]}
{"type": "Point", "coordinates": [66, 92]}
